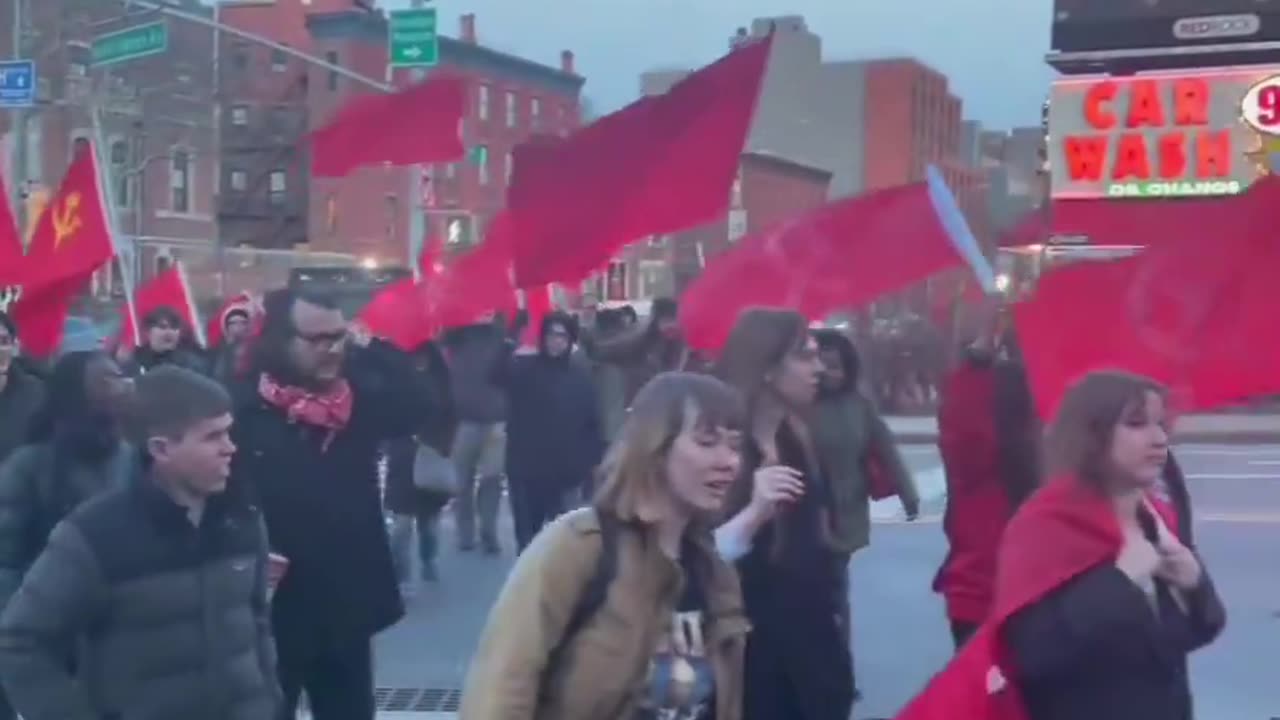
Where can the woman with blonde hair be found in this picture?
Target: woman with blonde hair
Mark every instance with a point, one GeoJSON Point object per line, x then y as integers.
{"type": "Point", "coordinates": [798, 662]}
{"type": "Point", "coordinates": [625, 609]}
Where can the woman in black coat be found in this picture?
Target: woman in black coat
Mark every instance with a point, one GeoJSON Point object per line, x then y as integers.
{"type": "Point", "coordinates": [409, 504]}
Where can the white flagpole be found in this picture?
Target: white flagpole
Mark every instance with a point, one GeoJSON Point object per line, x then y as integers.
{"type": "Point", "coordinates": [197, 322]}
{"type": "Point", "coordinates": [106, 199]}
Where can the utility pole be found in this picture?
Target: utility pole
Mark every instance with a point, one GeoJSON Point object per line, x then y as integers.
{"type": "Point", "coordinates": [18, 174]}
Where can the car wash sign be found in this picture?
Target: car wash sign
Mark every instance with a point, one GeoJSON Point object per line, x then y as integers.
{"type": "Point", "coordinates": [1164, 135]}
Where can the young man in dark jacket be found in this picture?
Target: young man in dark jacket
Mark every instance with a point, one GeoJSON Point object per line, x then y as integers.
{"type": "Point", "coordinates": [311, 418]}
{"type": "Point", "coordinates": [160, 584]}
{"type": "Point", "coordinates": [21, 393]}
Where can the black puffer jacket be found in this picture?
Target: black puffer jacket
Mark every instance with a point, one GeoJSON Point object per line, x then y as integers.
{"type": "Point", "coordinates": [21, 398]}
{"type": "Point", "coordinates": [172, 618]}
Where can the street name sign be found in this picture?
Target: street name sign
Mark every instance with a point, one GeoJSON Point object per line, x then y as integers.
{"type": "Point", "coordinates": [130, 44]}
{"type": "Point", "coordinates": [412, 39]}
{"type": "Point", "coordinates": [17, 83]}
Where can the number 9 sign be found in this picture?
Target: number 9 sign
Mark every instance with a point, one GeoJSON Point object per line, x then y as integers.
{"type": "Point", "coordinates": [1261, 106]}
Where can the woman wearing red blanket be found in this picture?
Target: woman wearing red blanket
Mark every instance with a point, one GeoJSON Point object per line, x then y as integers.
{"type": "Point", "coordinates": [1097, 600]}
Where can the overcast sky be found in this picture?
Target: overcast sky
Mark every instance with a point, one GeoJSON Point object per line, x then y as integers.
{"type": "Point", "coordinates": [992, 50]}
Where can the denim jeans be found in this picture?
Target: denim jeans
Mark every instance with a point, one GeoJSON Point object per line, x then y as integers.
{"type": "Point", "coordinates": [402, 531]}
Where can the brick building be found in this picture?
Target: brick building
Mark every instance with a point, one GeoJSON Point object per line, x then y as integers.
{"type": "Point", "coordinates": [156, 117]}
{"type": "Point", "coordinates": [511, 98]}
{"type": "Point", "coordinates": [769, 189]}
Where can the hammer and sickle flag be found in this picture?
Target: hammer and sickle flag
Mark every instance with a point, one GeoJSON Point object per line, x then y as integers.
{"type": "Point", "coordinates": [72, 238]}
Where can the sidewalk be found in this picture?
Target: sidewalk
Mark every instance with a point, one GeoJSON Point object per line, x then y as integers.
{"type": "Point", "coordinates": [1229, 429]}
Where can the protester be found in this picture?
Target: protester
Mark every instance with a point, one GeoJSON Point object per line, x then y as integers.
{"type": "Point", "coordinates": [478, 445]}
{"type": "Point", "coordinates": [644, 351]}
{"type": "Point", "coordinates": [793, 578]}
{"type": "Point", "coordinates": [610, 380]}
{"type": "Point", "coordinates": [415, 496]}
{"type": "Point", "coordinates": [21, 393]}
{"type": "Point", "coordinates": [311, 418]}
{"type": "Point", "coordinates": [75, 451]}
{"type": "Point", "coordinates": [226, 356]}
{"type": "Point", "coordinates": [554, 438]}
{"type": "Point", "coordinates": [854, 443]}
{"type": "Point", "coordinates": [1098, 602]}
{"type": "Point", "coordinates": [166, 340]}
{"type": "Point", "coordinates": [160, 583]}
{"type": "Point", "coordinates": [988, 436]}
{"type": "Point", "coordinates": [625, 609]}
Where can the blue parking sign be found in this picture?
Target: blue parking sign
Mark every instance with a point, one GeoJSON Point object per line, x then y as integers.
{"type": "Point", "coordinates": [17, 83]}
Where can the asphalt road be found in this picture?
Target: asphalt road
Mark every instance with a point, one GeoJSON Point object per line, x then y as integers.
{"type": "Point", "coordinates": [900, 634]}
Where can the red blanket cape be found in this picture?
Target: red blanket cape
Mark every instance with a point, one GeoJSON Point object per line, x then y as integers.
{"type": "Point", "coordinates": [1062, 531]}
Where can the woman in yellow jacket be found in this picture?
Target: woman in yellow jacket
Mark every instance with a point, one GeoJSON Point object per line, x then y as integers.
{"type": "Point", "coordinates": [625, 610]}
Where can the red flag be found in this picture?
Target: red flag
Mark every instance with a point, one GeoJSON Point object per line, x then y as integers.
{"type": "Point", "coordinates": [72, 239]}
{"type": "Point", "coordinates": [658, 165]}
{"type": "Point", "coordinates": [419, 124]}
{"type": "Point", "coordinates": [11, 253]}
{"type": "Point", "coordinates": [168, 289]}
{"type": "Point", "coordinates": [1200, 322]}
{"type": "Point", "coordinates": [1061, 532]}
{"type": "Point", "coordinates": [537, 303]}
{"type": "Point", "coordinates": [841, 255]}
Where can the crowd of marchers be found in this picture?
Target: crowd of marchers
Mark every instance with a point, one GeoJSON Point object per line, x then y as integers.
{"type": "Point", "coordinates": [215, 534]}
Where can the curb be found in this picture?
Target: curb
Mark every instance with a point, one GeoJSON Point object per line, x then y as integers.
{"type": "Point", "coordinates": [1252, 437]}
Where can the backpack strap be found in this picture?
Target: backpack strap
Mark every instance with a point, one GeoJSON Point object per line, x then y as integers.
{"type": "Point", "coordinates": [596, 590]}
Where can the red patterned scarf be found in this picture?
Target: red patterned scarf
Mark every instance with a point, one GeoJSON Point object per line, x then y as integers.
{"type": "Point", "coordinates": [329, 410]}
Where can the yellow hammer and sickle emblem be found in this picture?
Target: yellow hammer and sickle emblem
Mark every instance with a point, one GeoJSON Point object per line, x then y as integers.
{"type": "Point", "coordinates": [66, 219]}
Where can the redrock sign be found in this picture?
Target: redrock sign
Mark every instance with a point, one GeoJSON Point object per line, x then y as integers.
{"type": "Point", "coordinates": [1217, 26]}
{"type": "Point", "coordinates": [1159, 135]}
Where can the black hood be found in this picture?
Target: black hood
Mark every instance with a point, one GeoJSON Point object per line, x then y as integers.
{"type": "Point", "coordinates": [563, 319]}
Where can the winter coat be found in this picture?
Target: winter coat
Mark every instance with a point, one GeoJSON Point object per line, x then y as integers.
{"type": "Point", "coordinates": [32, 502]}
{"type": "Point", "coordinates": [1096, 648]}
{"type": "Point", "coordinates": [978, 507]}
{"type": "Point", "coordinates": [554, 438]}
{"type": "Point", "coordinates": [402, 495]}
{"type": "Point", "coordinates": [848, 432]}
{"type": "Point", "coordinates": [323, 507]}
{"type": "Point", "coordinates": [144, 359]}
{"type": "Point", "coordinates": [473, 350]}
{"type": "Point", "coordinates": [601, 670]}
{"type": "Point", "coordinates": [21, 398]}
{"type": "Point", "coordinates": [641, 354]}
{"type": "Point", "coordinates": [171, 620]}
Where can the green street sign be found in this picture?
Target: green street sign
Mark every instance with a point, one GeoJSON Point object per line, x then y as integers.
{"type": "Point", "coordinates": [412, 39]}
{"type": "Point", "coordinates": [130, 44]}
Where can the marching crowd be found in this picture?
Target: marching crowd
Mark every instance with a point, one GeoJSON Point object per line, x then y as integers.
{"type": "Point", "coordinates": [204, 534]}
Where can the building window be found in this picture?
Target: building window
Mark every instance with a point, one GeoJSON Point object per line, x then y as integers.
{"type": "Point", "coordinates": [451, 171]}
{"type": "Point", "coordinates": [238, 180]}
{"type": "Point", "coordinates": [279, 60]}
{"type": "Point", "coordinates": [331, 57]}
{"type": "Point", "coordinates": [482, 102]}
{"type": "Point", "coordinates": [508, 164]}
{"type": "Point", "coordinates": [120, 175]}
{"type": "Point", "coordinates": [240, 55]}
{"type": "Point", "coordinates": [240, 115]}
{"type": "Point", "coordinates": [180, 181]}
{"type": "Point", "coordinates": [511, 109]}
{"type": "Point", "coordinates": [535, 112]}
{"type": "Point", "coordinates": [277, 187]}
{"type": "Point", "coordinates": [482, 166]}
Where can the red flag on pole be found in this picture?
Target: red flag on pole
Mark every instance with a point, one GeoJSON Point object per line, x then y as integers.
{"type": "Point", "coordinates": [842, 255]}
{"type": "Point", "coordinates": [658, 165]}
{"type": "Point", "coordinates": [167, 289]}
{"type": "Point", "coordinates": [11, 253]}
{"type": "Point", "coordinates": [419, 124]}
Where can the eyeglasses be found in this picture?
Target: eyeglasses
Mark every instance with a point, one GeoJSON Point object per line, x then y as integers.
{"type": "Point", "coordinates": [324, 341]}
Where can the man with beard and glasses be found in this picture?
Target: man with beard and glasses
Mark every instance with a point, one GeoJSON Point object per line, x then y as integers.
{"type": "Point", "coordinates": [75, 452]}
{"type": "Point", "coordinates": [310, 419]}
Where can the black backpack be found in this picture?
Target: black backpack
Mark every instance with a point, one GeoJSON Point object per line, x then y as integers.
{"type": "Point", "coordinates": [596, 589]}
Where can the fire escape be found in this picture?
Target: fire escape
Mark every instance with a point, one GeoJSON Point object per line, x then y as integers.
{"type": "Point", "coordinates": [264, 194]}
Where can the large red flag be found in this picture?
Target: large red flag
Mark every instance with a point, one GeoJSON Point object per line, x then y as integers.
{"type": "Point", "coordinates": [841, 255]}
{"type": "Point", "coordinates": [72, 239]}
{"type": "Point", "coordinates": [401, 313]}
{"type": "Point", "coordinates": [11, 260]}
{"type": "Point", "coordinates": [1061, 532]}
{"type": "Point", "coordinates": [658, 165]}
{"type": "Point", "coordinates": [1201, 322]}
{"type": "Point", "coordinates": [167, 289]}
{"type": "Point", "coordinates": [420, 124]}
